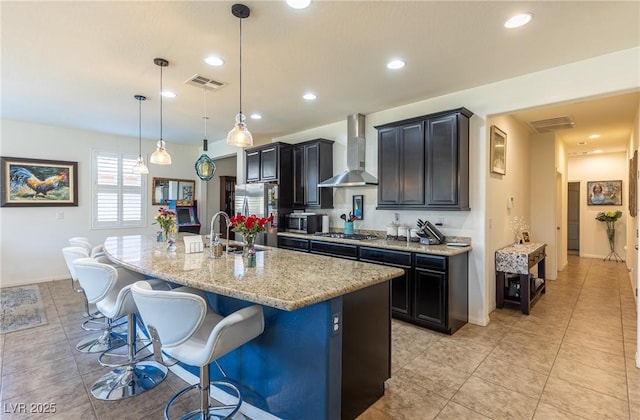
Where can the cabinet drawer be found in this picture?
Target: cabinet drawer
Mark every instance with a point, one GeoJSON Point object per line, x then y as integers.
{"type": "Point", "coordinates": [431, 261]}
{"type": "Point", "coordinates": [333, 249]}
{"type": "Point", "coordinates": [293, 243]}
{"type": "Point", "coordinates": [536, 256]}
{"type": "Point", "coordinates": [378, 255]}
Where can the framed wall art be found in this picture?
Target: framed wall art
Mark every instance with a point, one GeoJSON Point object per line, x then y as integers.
{"type": "Point", "coordinates": [38, 183]}
{"type": "Point", "coordinates": [604, 193]}
{"type": "Point", "coordinates": [357, 207]}
{"type": "Point", "coordinates": [498, 153]}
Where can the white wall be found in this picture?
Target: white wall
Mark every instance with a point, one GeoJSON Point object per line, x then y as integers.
{"type": "Point", "coordinates": [224, 167]}
{"type": "Point", "coordinates": [31, 238]}
{"type": "Point", "coordinates": [515, 183]}
{"type": "Point", "coordinates": [593, 234]}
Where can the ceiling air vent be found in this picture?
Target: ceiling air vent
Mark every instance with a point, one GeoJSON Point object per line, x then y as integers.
{"type": "Point", "coordinates": [203, 82]}
{"type": "Point", "coordinates": [552, 124]}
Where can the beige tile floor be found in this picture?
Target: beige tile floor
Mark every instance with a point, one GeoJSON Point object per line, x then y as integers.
{"type": "Point", "coordinates": [572, 358]}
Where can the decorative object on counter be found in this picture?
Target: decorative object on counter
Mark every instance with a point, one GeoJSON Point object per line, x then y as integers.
{"type": "Point", "coordinates": [402, 233]}
{"type": "Point", "coordinates": [251, 258]}
{"type": "Point", "coordinates": [604, 193]}
{"type": "Point", "coordinates": [518, 226]}
{"type": "Point", "coordinates": [160, 156]}
{"type": "Point", "coordinates": [140, 167]}
{"type": "Point", "coordinates": [193, 244]}
{"type": "Point", "coordinates": [216, 249]}
{"type": "Point", "coordinates": [348, 228]}
{"type": "Point", "coordinates": [498, 157]}
{"type": "Point", "coordinates": [358, 207]}
{"type": "Point", "coordinates": [392, 231]}
{"type": "Point", "coordinates": [168, 222]}
{"type": "Point", "coordinates": [239, 134]}
{"type": "Point", "coordinates": [414, 235]}
{"type": "Point", "coordinates": [610, 217]}
{"type": "Point", "coordinates": [171, 244]}
{"type": "Point", "coordinates": [249, 227]}
{"type": "Point", "coordinates": [38, 183]}
{"type": "Point", "coordinates": [205, 167]}
{"type": "Point", "coordinates": [526, 237]}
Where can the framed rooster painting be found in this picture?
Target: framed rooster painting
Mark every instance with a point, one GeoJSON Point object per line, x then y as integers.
{"type": "Point", "coordinates": [38, 183]}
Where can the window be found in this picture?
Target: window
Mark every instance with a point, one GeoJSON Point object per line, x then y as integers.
{"type": "Point", "coordinates": [118, 194]}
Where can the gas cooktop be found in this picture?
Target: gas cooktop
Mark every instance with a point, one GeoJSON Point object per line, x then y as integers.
{"type": "Point", "coordinates": [353, 236]}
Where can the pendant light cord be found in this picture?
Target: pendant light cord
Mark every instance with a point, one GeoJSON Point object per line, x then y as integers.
{"type": "Point", "coordinates": [139, 127]}
{"type": "Point", "coordinates": [161, 103]}
{"type": "Point", "coordinates": [204, 96]}
{"type": "Point", "coordinates": [240, 66]}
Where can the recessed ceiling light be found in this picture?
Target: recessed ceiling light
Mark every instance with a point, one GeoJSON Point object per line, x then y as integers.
{"type": "Point", "coordinates": [519, 20]}
{"type": "Point", "coordinates": [168, 94]}
{"type": "Point", "coordinates": [256, 116]}
{"type": "Point", "coordinates": [299, 4]}
{"type": "Point", "coordinates": [309, 96]}
{"type": "Point", "coordinates": [212, 60]}
{"type": "Point", "coordinates": [594, 136]}
{"type": "Point", "coordinates": [395, 64]}
{"type": "Point", "coordinates": [582, 143]}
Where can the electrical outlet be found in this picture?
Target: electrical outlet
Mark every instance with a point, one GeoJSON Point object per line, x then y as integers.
{"type": "Point", "coordinates": [440, 221]}
{"type": "Point", "coordinates": [336, 321]}
{"type": "Point", "coordinates": [396, 217]}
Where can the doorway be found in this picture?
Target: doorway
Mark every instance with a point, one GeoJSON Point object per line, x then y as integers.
{"type": "Point", "coordinates": [573, 218]}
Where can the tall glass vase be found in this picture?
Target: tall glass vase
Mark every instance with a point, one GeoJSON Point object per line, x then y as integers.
{"type": "Point", "coordinates": [611, 236]}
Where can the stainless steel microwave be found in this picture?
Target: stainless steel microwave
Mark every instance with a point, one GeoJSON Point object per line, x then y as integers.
{"type": "Point", "coordinates": [303, 222]}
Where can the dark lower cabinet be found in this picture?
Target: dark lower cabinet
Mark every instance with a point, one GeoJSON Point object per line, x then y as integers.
{"type": "Point", "coordinates": [294, 244]}
{"type": "Point", "coordinates": [432, 293]}
{"type": "Point", "coordinates": [441, 297]}
{"type": "Point", "coordinates": [333, 249]}
{"type": "Point", "coordinates": [401, 304]}
{"type": "Point", "coordinates": [429, 297]}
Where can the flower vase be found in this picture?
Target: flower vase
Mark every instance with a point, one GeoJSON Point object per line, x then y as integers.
{"type": "Point", "coordinates": [249, 243]}
{"type": "Point", "coordinates": [611, 235]}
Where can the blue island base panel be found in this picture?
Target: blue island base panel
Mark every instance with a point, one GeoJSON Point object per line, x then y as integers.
{"type": "Point", "coordinates": [292, 370]}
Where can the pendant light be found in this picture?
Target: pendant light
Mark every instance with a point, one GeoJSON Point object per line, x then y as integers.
{"type": "Point", "coordinates": [240, 135]}
{"type": "Point", "coordinates": [140, 167]}
{"type": "Point", "coordinates": [205, 168]}
{"type": "Point", "coordinates": [160, 156]}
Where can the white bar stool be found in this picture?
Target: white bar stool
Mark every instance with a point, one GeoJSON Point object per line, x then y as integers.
{"type": "Point", "coordinates": [182, 326]}
{"type": "Point", "coordinates": [96, 320]}
{"type": "Point", "coordinates": [110, 289]}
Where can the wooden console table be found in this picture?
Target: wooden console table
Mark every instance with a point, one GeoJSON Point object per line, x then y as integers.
{"type": "Point", "coordinates": [519, 260]}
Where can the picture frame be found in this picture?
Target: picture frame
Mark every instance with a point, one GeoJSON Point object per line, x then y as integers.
{"type": "Point", "coordinates": [526, 237]}
{"type": "Point", "coordinates": [498, 151]}
{"type": "Point", "coordinates": [357, 208]}
{"type": "Point", "coordinates": [604, 193]}
{"type": "Point", "coordinates": [26, 182]}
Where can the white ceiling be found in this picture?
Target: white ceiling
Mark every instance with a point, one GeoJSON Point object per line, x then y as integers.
{"type": "Point", "coordinates": [79, 63]}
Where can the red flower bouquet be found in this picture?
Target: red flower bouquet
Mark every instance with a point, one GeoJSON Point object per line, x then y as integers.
{"type": "Point", "coordinates": [250, 225]}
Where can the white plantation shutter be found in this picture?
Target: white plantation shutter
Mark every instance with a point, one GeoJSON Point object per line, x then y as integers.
{"type": "Point", "coordinates": [118, 193]}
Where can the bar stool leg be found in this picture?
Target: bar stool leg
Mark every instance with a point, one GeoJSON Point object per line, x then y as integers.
{"type": "Point", "coordinates": [131, 380]}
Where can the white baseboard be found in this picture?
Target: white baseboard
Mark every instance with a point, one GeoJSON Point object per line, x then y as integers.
{"type": "Point", "coordinates": [24, 282]}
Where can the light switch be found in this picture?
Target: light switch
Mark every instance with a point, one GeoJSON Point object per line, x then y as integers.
{"type": "Point", "coordinates": [510, 202]}
{"type": "Point", "coordinates": [60, 215]}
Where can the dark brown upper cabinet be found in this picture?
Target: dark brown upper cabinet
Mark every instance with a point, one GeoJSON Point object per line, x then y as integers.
{"type": "Point", "coordinates": [265, 163]}
{"type": "Point", "coordinates": [312, 164]}
{"type": "Point", "coordinates": [423, 162]}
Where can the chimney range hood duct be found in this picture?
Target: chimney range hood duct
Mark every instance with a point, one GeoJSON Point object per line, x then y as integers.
{"type": "Point", "coordinates": [355, 175]}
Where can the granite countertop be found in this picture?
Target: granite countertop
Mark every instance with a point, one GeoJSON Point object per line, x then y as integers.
{"type": "Point", "coordinates": [390, 244]}
{"type": "Point", "coordinates": [282, 279]}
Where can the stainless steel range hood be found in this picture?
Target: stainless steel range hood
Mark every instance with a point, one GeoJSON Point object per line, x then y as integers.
{"type": "Point", "coordinates": [355, 175]}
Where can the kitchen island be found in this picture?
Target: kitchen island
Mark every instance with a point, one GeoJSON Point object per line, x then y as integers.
{"type": "Point", "coordinates": [326, 349]}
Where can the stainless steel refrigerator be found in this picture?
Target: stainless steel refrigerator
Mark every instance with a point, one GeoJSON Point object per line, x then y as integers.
{"type": "Point", "coordinates": [261, 200]}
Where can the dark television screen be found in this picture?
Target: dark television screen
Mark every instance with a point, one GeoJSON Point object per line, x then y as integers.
{"type": "Point", "coordinates": [184, 215]}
